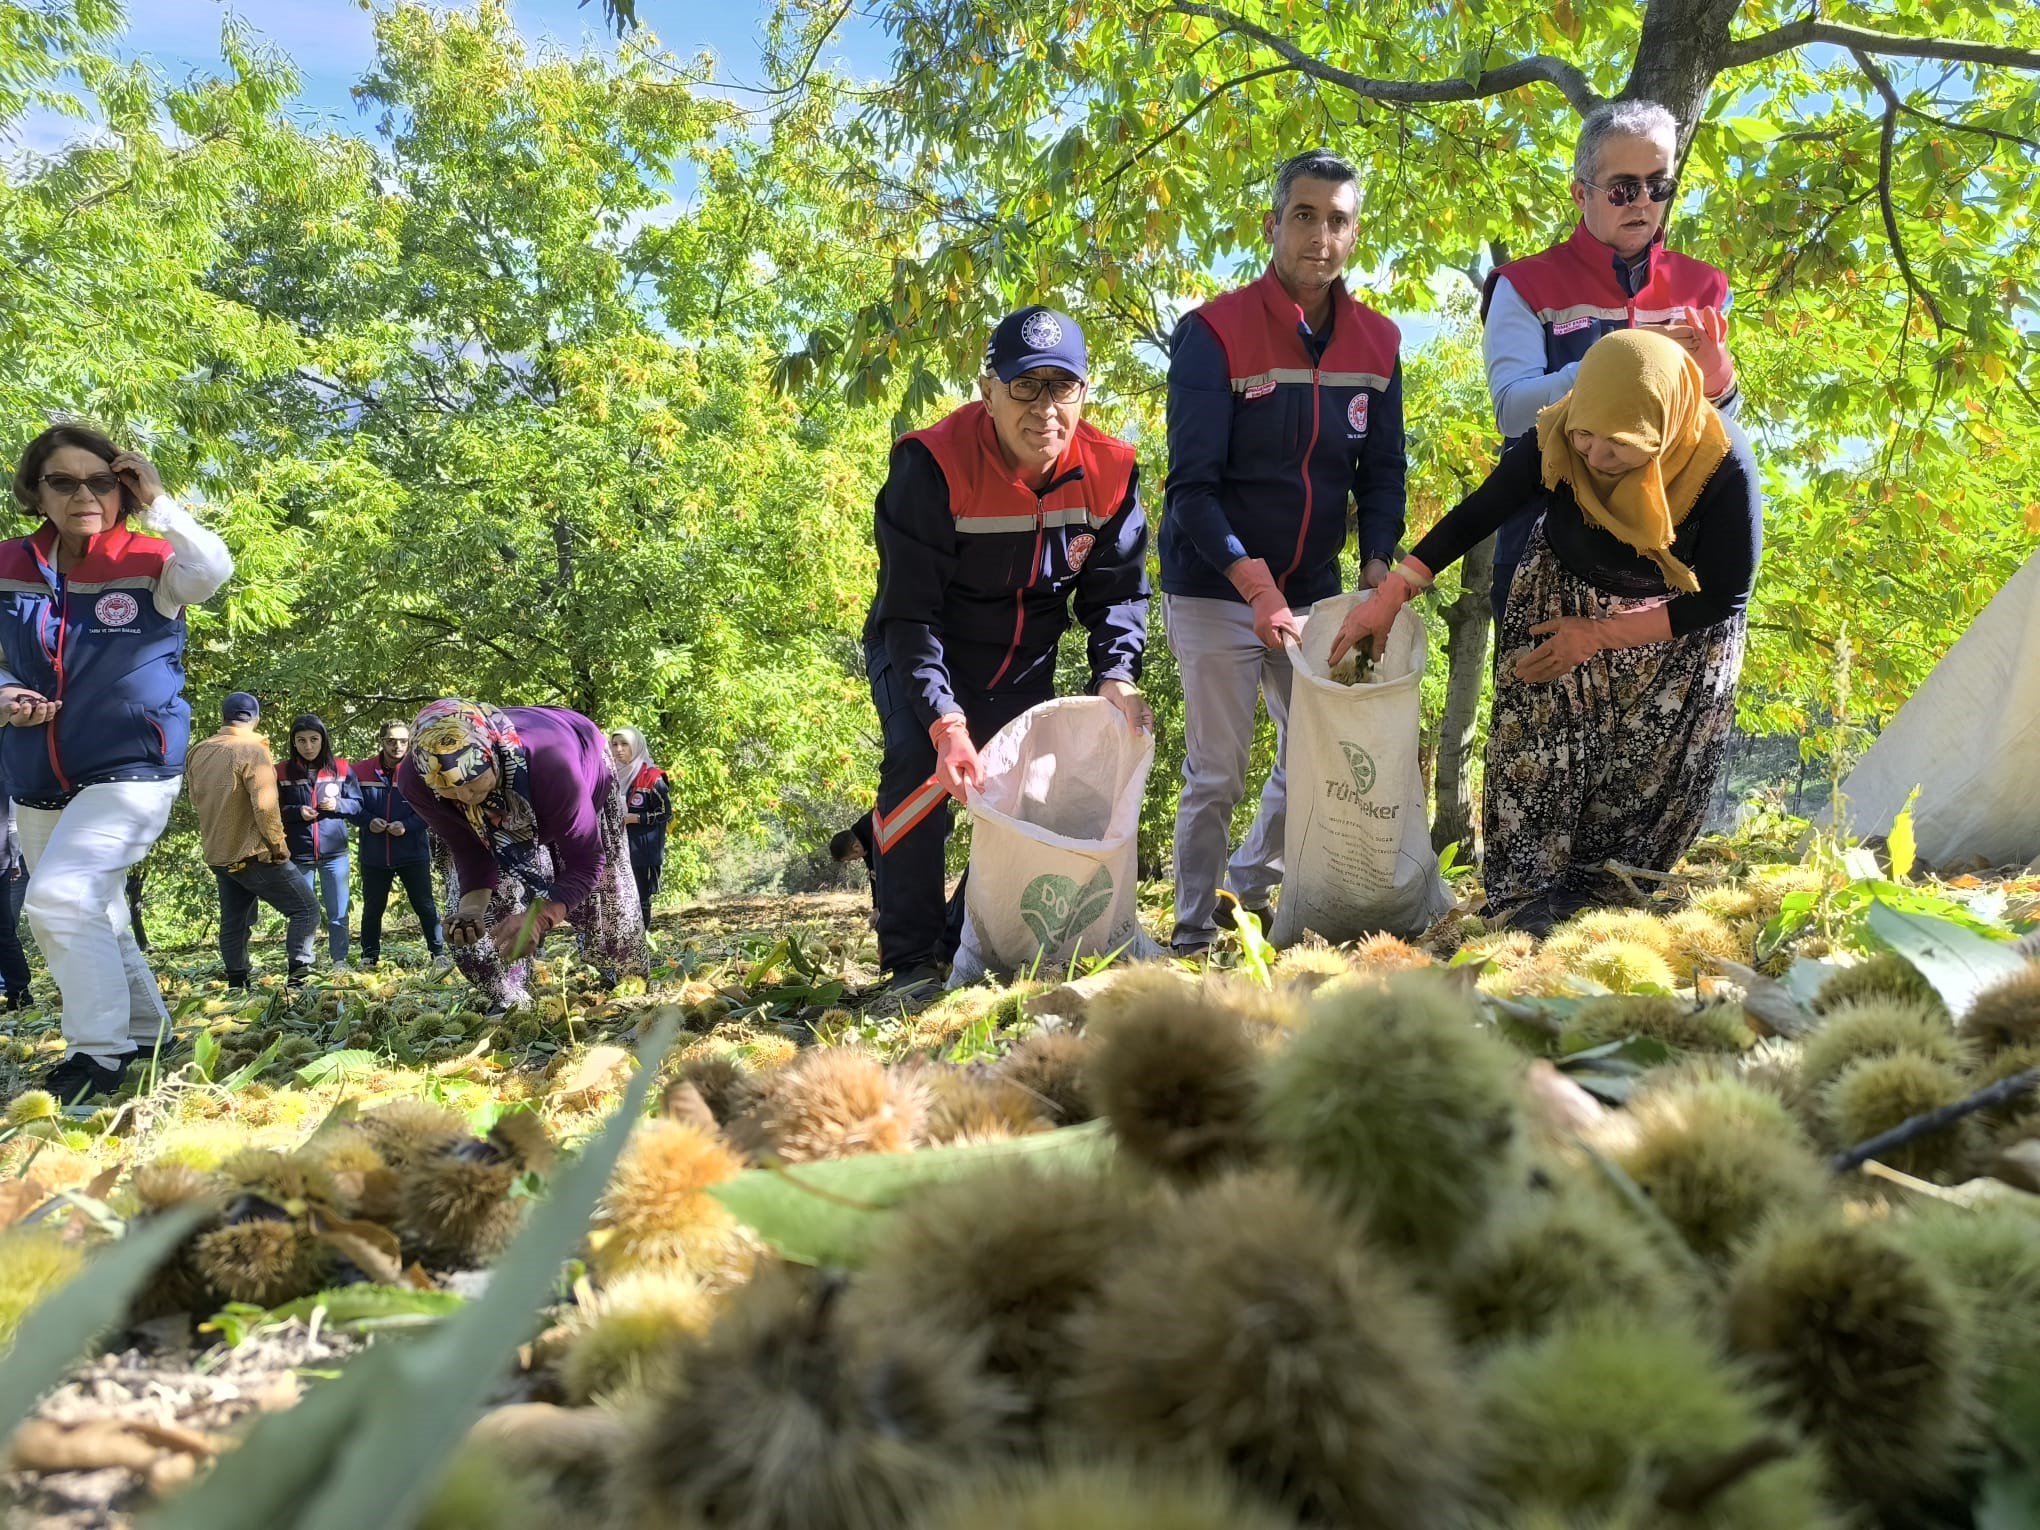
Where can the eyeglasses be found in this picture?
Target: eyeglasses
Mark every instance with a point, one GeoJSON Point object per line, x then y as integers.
{"type": "Point", "coordinates": [1625, 189]}
{"type": "Point", "coordinates": [1063, 390]}
{"type": "Point", "coordinates": [64, 486]}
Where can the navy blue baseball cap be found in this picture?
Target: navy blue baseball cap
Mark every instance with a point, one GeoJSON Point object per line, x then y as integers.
{"type": "Point", "coordinates": [240, 707]}
{"type": "Point", "coordinates": [1036, 337]}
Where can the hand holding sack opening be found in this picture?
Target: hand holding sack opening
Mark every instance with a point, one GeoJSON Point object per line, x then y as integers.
{"type": "Point", "coordinates": [956, 758]}
{"type": "Point", "coordinates": [1371, 618]}
{"type": "Point", "coordinates": [1133, 706]}
{"type": "Point", "coordinates": [1274, 622]}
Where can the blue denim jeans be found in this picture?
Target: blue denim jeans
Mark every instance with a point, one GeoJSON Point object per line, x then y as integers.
{"type": "Point", "coordinates": [328, 880]}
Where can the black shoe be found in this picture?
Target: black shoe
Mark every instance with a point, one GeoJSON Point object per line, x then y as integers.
{"type": "Point", "coordinates": [1533, 916]}
{"type": "Point", "coordinates": [79, 1077]}
{"type": "Point", "coordinates": [237, 979]}
{"type": "Point", "coordinates": [907, 982]}
{"type": "Point", "coordinates": [297, 978]}
{"type": "Point", "coordinates": [20, 1000]}
{"type": "Point", "coordinates": [1226, 917]}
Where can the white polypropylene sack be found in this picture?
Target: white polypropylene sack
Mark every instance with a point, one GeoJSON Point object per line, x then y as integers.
{"type": "Point", "coordinates": [1968, 739]}
{"type": "Point", "coordinates": [1356, 852]}
{"type": "Point", "coordinates": [1053, 865]}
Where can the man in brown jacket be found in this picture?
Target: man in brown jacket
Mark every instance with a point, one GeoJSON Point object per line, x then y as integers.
{"type": "Point", "coordinates": [232, 781]}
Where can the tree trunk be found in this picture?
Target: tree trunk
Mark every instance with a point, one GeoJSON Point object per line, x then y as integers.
{"type": "Point", "coordinates": [1678, 56]}
{"type": "Point", "coordinates": [1467, 621]}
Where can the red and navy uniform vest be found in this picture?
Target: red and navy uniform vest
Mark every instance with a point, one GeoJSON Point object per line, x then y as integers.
{"type": "Point", "coordinates": [313, 840]}
{"type": "Point", "coordinates": [1301, 432]}
{"type": "Point", "coordinates": [1018, 549]}
{"type": "Point", "coordinates": [381, 799]}
{"type": "Point", "coordinates": [647, 796]}
{"type": "Point", "coordinates": [1577, 291]}
{"type": "Point", "coordinates": [93, 639]}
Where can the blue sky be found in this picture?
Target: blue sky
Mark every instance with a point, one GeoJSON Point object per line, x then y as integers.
{"type": "Point", "coordinates": [332, 41]}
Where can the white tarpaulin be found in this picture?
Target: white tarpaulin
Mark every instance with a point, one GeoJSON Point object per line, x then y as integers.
{"type": "Point", "coordinates": [1053, 851]}
{"type": "Point", "coordinates": [1356, 854]}
{"type": "Point", "coordinates": [1969, 739]}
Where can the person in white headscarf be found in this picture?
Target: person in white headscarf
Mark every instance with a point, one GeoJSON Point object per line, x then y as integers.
{"type": "Point", "coordinates": [648, 805]}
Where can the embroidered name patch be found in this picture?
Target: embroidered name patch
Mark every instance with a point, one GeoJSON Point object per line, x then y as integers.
{"type": "Point", "coordinates": [1262, 391]}
{"type": "Point", "coordinates": [1571, 326]}
{"type": "Point", "coordinates": [117, 609]}
{"type": "Point", "coordinates": [1080, 549]}
{"type": "Point", "coordinates": [1356, 414]}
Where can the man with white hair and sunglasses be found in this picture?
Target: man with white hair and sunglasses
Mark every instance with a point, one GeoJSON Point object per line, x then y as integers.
{"type": "Point", "coordinates": [1542, 313]}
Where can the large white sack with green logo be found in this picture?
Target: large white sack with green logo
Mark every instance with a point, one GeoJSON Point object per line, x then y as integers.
{"type": "Point", "coordinates": [1053, 842]}
{"type": "Point", "coordinates": [1356, 852]}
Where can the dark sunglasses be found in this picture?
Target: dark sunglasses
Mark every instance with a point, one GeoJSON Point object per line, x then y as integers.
{"type": "Point", "coordinates": [1625, 189]}
{"type": "Point", "coordinates": [64, 485]}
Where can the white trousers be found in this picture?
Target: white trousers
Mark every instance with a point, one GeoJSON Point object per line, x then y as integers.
{"type": "Point", "coordinates": [78, 859]}
{"type": "Point", "coordinates": [1225, 670]}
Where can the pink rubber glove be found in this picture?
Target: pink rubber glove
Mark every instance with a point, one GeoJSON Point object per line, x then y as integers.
{"type": "Point", "coordinates": [1710, 349]}
{"type": "Point", "coordinates": [956, 758]}
{"type": "Point", "coordinates": [1274, 622]}
{"type": "Point", "coordinates": [1372, 617]}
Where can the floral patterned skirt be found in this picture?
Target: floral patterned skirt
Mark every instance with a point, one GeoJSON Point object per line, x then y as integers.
{"type": "Point", "coordinates": [607, 924]}
{"type": "Point", "coordinates": [1615, 761]}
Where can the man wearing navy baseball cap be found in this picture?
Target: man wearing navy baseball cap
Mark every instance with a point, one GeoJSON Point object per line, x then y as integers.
{"type": "Point", "coordinates": [992, 525]}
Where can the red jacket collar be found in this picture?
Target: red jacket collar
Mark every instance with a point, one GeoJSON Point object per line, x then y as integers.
{"type": "Point", "coordinates": [1604, 257]}
{"type": "Point", "coordinates": [1286, 314]}
{"type": "Point", "coordinates": [107, 544]}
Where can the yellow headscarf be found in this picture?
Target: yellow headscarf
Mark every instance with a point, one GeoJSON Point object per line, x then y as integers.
{"type": "Point", "coordinates": [1643, 390]}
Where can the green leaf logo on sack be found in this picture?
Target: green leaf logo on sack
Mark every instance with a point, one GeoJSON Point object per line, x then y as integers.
{"type": "Point", "coordinates": [1362, 766]}
{"type": "Point", "coordinates": [1054, 908]}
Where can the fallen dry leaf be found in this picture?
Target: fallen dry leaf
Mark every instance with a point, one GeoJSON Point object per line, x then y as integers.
{"type": "Point", "coordinates": [540, 1435]}
{"type": "Point", "coordinates": [598, 1070]}
{"type": "Point", "coordinates": [372, 1247]}
{"type": "Point", "coordinates": [1558, 1104]}
{"type": "Point", "coordinates": [2019, 1165]}
{"type": "Point", "coordinates": [43, 1445]}
{"type": "Point", "coordinates": [18, 1197]}
{"type": "Point", "coordinates": [1769, 1004]}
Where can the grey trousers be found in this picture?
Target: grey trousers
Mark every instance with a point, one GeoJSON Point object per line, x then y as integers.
{"type": "Point", "coordinates": [283, 889]}
{"type": "Point", "coordinates": [1225, 670]}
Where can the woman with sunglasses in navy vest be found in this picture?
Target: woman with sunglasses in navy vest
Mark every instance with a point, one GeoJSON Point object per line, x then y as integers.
{"type": "Point", "coordinates": [92, 697]}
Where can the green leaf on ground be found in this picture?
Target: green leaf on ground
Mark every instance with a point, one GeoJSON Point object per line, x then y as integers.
{"type": "Point", "coordinates": [827, 1213]}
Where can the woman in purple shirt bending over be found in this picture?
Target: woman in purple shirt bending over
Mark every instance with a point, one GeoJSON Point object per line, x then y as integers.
{"type": "Point", "coordinates": [528, 805]}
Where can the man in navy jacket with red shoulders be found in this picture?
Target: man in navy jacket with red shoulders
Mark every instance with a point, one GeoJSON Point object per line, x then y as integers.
{"type": "Point", "coordinates": [395, 847]}
{"type": "Point", "coordinates": [1285, 404]}
{"type": "Point", "coordinates": [994, 524]}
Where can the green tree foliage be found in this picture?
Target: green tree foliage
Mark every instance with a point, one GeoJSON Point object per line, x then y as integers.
{"type": "Point", "coordinates": [478, 413]}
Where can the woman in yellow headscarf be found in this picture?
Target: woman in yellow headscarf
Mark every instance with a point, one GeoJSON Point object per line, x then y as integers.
{"type": "Point", "coordinates": [1619, 653]}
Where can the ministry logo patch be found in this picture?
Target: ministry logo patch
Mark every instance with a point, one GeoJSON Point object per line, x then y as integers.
{"type": "Point", "coordinates": [1041, 331]}
{"type": "Point", "coordinates": [117, 609]}
{"type": "Point", "coordinates": [1356, 414]}
{"type": "Point", "coordinates": [1080, 549]}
